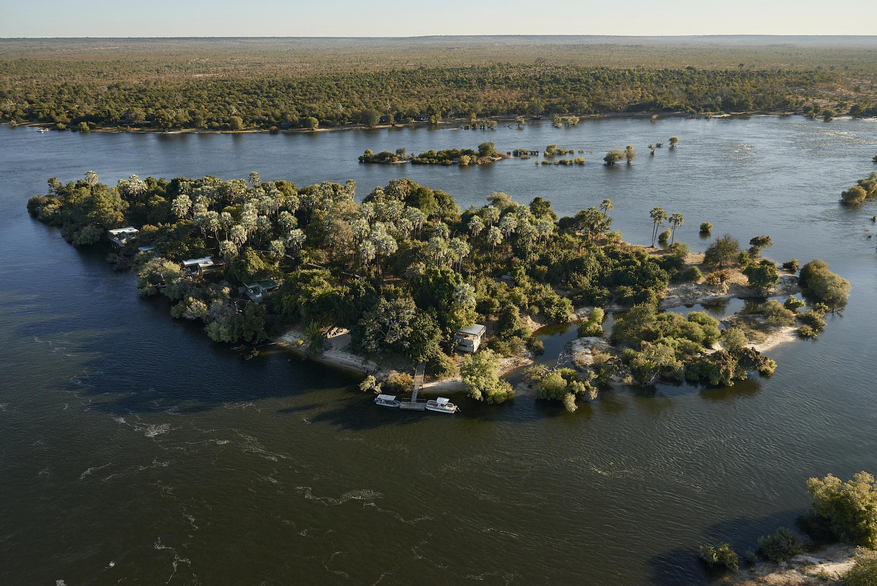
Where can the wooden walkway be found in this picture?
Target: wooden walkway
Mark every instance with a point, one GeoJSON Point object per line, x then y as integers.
{"type": "Point", "coordinates": [414, 404]}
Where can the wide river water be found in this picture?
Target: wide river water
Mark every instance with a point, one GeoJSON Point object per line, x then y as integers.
{"type": "Point", "coordinates": [136, 451]}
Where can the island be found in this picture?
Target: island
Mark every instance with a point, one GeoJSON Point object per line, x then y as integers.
{"type": "Point", "coordinates": [407, 278]}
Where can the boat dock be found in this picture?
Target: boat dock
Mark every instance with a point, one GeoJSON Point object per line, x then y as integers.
{"type": "Point", "coordinates": [414, 404]}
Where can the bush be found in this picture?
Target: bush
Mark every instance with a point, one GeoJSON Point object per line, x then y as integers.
{"type": "Point", "coordinates": [400, 382]}
{"type": "Point", "coordinates": [807, 333]}
{"type": "Point", "coordinates": [776, 315]}
{"type": "Point", "coordinates": [593, 326]}
{"type": "Point", "coordinates": [721, 252]}
{"type": "Point", "coordinates": [849, 507]}
{"type": "Point", "coordinates": [720, 556]}
{"type": "Point", "coordinates": [781, 546]}
{"type": "Point", "coordinates": [664, 236]}
{"type": "Point", "coordinates": [706, 228]}
{"type": "Point", "coordinates": [864, 570]}
{"type": "Point", "coordinates": [733, 340]}
{"type": "Point", "coordinates": [440, 365]}
{"type": "Point", "coordinates": [689, 275]}
{"type": "Point", "coordinates": [793, 303]}
{"type": "Point", "coordinates": [823, 285]}
{"type": "Point", "coordinates": [791, 265]}
{"type": "Point", "coordinates": [481, 380]}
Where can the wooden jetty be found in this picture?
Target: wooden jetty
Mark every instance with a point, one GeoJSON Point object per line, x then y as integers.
{"type": "Point", "coordinates": [414, 404]}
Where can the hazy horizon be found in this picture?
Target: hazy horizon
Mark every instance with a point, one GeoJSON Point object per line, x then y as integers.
{"type": "Point", "coordinates": [394, 19]}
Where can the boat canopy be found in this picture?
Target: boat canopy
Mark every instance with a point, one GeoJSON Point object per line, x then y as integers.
{"type": "Point", "coordinates": [387, 397]}
{"type": "Point", "coordinates": [442, 401]}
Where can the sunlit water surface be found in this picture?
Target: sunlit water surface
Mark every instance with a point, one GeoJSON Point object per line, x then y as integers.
{"type": "Point", "coordinates": [135, 451]}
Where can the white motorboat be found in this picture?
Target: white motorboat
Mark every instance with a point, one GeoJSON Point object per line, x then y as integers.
{"type": "Point", "coordinates": [441, 405]}
{"type": "Point", "coordinates": [387, 401]}
{"type": "Point", "coordinates": [42, 129]}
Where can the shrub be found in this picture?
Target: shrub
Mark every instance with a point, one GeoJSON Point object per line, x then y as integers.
{"type": "Point", "coordinates": [807, 332]}
{"type": "Point", "coordinates": [367, 384]}
{"type": "Point", "coordinates": [864, 570]}
{"type": "Point", "coordinates": [849, 507]}
{"type": "Point", "coordinates": [400, 381]}
{"type": "Point", "coordinates": [791, 265]}
{"type": "Point", "coordinates": [776, 315]}
{"type": "Point", "coordinates": [440, 365]}
{"type": "Point", "coordinates": [781, 546]}
{"type": "Point", "coordinates": [664, 236]}
{"type": "Point", "coordinates": [733, 340]}
{"type": "Point", "coordinates": [689, 275]}
{"type": "Point", "coordinates": [717, 278]}
{"type": "Point", "coordinates": [593, 326]}
{"type": "Point", "coordinates": [706, 228]}
{"type": "Point", "coordinates": [722, 251]}
{"type": "Point", "coordinates": [854, 195]}
{"type": "Point", "coordinates": [720, 556]}
{"type": "Point", "coordinates": [481, 380]}
{"type": "Point", "coordinates": [793, 303]}
{"type": "Point", "coordinates": [818, 282]}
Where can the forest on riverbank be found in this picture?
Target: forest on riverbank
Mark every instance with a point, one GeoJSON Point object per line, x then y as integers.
{"type": "Point", "coordinates": [234, 85]}
{"type": "Point", "coordinates": [406, 268]}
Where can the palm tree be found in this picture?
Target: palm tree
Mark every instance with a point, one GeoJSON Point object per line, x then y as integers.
{"type": "Point", "coordinates": [91, 177]}
{"type": "Point", "coordinates": [476, 225]}
{"type": "Point", "coordinates": [238, 235]}
{"type": "Point", "coordinates": [181, 206]}
{"type": "Point", "coordinates": [658, 216]}
{"type": "Point", "coordinates": [676, 220]}
{"type": "Point", "coordinates": [254, 179]}
{"type": "Point", "coordinates": [494, 237]}
{"type": "Point", "coordinates": [459, 250]}
{"type": "Point", "coordinates": [464, 296]}
{"type": "Point", "coordinates": [606, 206]}
{"type": "Point", "coordinates": [227, 249]}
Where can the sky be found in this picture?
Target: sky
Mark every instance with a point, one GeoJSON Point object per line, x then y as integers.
{"type": "Point", "coordinates": [397, 18]}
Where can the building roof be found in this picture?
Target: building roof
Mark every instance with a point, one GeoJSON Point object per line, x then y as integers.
{"type": "Point", "coordinates": [202, 262]}
{"type": "Point", "coordinates": [127, 230]}
{"type": "Point", "coordinates": [473, 330]}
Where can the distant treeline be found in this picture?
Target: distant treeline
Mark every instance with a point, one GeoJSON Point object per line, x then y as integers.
{"type": "Point", "coordinates": [247, 98]}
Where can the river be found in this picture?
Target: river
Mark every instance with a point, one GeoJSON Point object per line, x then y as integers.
{"type": "Point", "coordinates": [136, 451]}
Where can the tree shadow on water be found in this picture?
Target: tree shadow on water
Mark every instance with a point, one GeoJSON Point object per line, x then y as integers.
{"type": "Point", "coordinates": [682, 565]}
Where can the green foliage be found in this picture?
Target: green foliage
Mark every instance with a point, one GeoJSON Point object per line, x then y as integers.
{"type": "Point", "coordinates": [758, 244]}
{"type": "Point", "coordinates": [564, 385]}
{"type": "Point", "coordinates": [386, 327]}
{"type": "Point", "coordinates": [593, 326]}
{"type": "Point", "coordinates": [822, 285]}
{"type": "Point", "coordinates": [793, 303]}
{"type": "Point", "coordinates": [315, 338]}
{"type": "Point", "coordinates": [720, 555]}
{"type": "Point", "coordinates": [762, 276]}
{"type": "Point", "coordinates": [864, 570]}
{"type": "Point", "coordinates": [706, 228]}
{"type": "Point", "coordinates": [690, 275]}
{"type": "Point", "coordinates": [849, 507]}
{"type": "Point", "coordinates": [791, 265]}
{"type": "Point", "coordinates": [733, 340]}
{"type": "Point", "coordinates": [722, 251]}
{"type": "Point", "coordinates": [481, 380]}
{"type": "Point", "coordinates": [613, 157]}
{"type": "Point", "coordinates": [781, 546]}
{"type": "Point", "coordinates": [775, 315]}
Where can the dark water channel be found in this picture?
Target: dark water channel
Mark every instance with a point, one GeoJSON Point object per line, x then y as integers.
{"type": "Point", "coordinates": [135, 451]}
